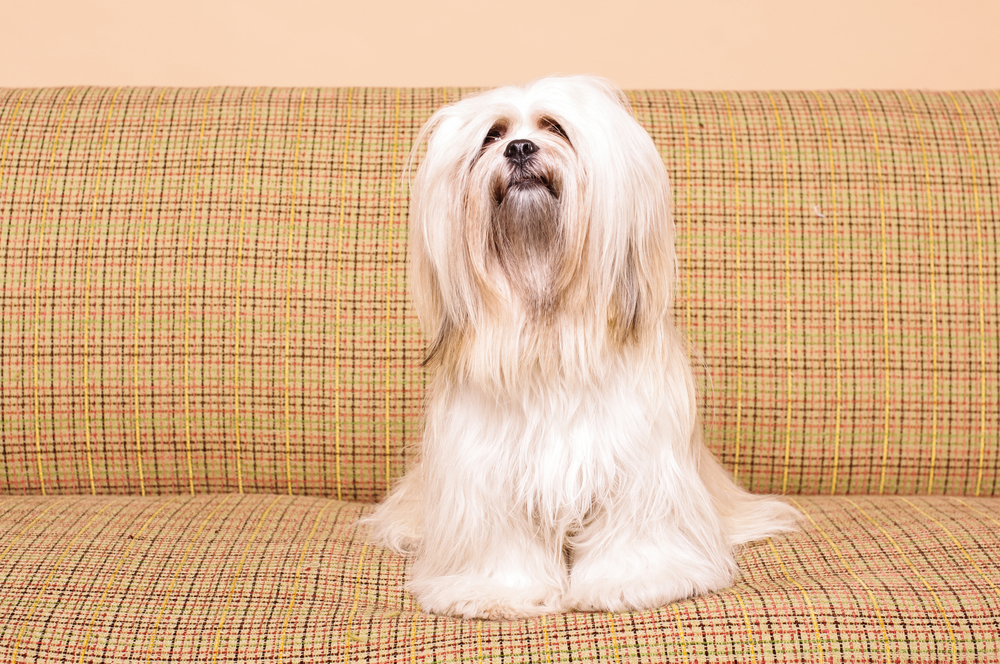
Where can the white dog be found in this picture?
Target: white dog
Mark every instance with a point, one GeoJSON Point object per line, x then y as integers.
{"type": "Point", "coordinates": [562, 465]}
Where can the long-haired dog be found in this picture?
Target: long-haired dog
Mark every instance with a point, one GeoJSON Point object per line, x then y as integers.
{"type": "Point", "coordinates": [562, 465]}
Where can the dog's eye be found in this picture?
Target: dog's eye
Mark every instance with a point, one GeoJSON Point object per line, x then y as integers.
{"type": "Point", "coordinates": [554, 127]}
{"type": "Point", "coordinates": [493, 135]}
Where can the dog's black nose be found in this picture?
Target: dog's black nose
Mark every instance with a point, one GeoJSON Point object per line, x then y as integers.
{"type": "Point", "coordinates": [518, 151]}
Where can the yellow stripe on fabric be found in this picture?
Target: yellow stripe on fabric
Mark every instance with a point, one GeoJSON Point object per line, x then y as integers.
{"type": "Point", "coordinates": [288, 298]}
{"type": "Point", "coordinates": [746, 623]}
{"type": "Point", "coordinates": [38, 297]}
{"type": "Point", "coordinates": [237, 290]}
{"type": "Point", "coordinates": [633, 105]}
{"type": "Point", "coordinates": [836, 295]}
{"type": "Point", "coordinates": [982, 300]}
{"type": "Point", "coordinates": [687, 221]}
{"type": "Point", "coordinates": [388, 280]}
{"type": "Point", "coordinates": [614, 640]}
{"type": "Point", "coordinates": [413, 638]}
{"type": "Point", "coordinates": [187, 295]}
{"type": "Point", "coordinates": [138, 288]}
{"type": "Point", "coordinates": [354, 607]}
{"type": "Point", "coordinates": [961, 548]}
{"type": "Point", "coordinates": [48, 579]}
{"type": "Point", "coordinates": [121, 562]}
{"type": "Point", "coordinates": [479, 639]}
{"type": "Point", "coordinates": [90, 257]}
{"type": "Point", "coordinates": [885, 294]}
{"type": "Point", "coordinates": [10, 545]}
{"type": "Point", "coordinates": [10, 130]}
{"type": "Point", "coordinates": [788, 299]}
{"type": "Point", "coordinates": [934, 314]}
{"type": "Point", "coordinates": [236, 578]}
{"type": "Point", "coordinates": [739, 291]}
{"type": "Point", "coordinates": [180, 566]}
{"type": "Point", "coordinates": [913, 568]}
{"type": "Point", "coordinates": [973, 509]}
{"type": "Point", "coordinates": [295, 583]}
{"type": "Point", "coordinates": [850, 570]}
{"type": "Point", "coordinates": [805, 595]}
{"type": "Point", "coordinates": [979, 512]}
{"type": "Point", "coordinates": [340, 267]}
{"type": "Point", "coordinates": [997, 95]}
{"type": "Point", "coordinates": [545, 635]}
{"type": "Point", "coordinates": [680, 632]}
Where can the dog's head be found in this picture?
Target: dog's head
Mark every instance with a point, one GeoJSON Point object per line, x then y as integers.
{"type": "Point", "coordinates": [547, 203]}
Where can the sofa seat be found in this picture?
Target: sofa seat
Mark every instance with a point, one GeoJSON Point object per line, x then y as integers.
{"type": "Point", "coordinates": [258, 577]}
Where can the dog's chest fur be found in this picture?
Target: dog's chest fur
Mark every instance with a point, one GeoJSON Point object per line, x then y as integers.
{"type": "Point", "coordinates": [560, 451]}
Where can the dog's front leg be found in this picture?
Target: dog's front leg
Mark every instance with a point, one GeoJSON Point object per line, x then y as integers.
{"type": "Point", "coordinates": [482, 557]}
{"type": "Point", "coordinates": [636, 555]}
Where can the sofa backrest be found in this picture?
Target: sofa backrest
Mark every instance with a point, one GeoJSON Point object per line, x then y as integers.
{"type": "Point", "coordinates": [205, 290]}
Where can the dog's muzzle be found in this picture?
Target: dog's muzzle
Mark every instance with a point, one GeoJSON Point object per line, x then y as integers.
{"type": "Point", "coordinates": [524, 172]}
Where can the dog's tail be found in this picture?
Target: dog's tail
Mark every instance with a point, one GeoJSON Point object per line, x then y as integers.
{"type": "Point", "coordinates": [395, 524]}
{"type": "Point", "coordinates": [746, 516]}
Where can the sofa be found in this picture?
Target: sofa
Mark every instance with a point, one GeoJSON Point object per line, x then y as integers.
{"type": "Point", "coordinates": [211, 370]}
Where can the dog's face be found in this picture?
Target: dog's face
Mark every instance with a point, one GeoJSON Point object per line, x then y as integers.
{"type": "Point", "coordinates": [522, 190]}
{"type": "Point", "coordinates": [542, 203]}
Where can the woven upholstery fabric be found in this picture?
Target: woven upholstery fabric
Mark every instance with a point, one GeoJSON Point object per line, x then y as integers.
{"type": "Point", "coordinates": [228, 578]}
{"type": "Point", "coordinates": [205, 290]}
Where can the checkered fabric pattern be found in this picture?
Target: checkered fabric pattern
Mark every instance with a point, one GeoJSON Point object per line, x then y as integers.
{"type": "Point", "coordinates": [278, 578]}
{"type": "Point", "coordinates": [209, 369]}
{"type": "Point", "coordinates": [205, 290]}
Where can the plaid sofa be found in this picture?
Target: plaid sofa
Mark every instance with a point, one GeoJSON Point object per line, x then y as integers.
{"type": "Point", "coordinates": [210, 371]}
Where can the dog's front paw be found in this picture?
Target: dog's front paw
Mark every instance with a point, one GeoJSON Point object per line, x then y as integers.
{"type": "Point", "coordinates": [617, 595]}
{"type": "Point", "coordinates": [611, 584]}
{"type": "Point", "coordinates": [483, 597]}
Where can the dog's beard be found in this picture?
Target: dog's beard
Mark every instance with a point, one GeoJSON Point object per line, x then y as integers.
{"type": "Point", "coordinates": [524, 231]}
{"type": "Point", "coordinates": [525, 235]}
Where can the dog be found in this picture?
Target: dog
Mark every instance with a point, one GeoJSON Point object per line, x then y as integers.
{"type": "Point", "coordinates": [562, 466]}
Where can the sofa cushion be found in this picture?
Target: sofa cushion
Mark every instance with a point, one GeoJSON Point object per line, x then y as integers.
{"type": "Point", "coordinates": [290, 578]}
{"type": "Point", "coordinates": [205, 290]}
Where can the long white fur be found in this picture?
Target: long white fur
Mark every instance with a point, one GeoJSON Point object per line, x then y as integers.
{"type": "Point", "coordinates": [562, 465]}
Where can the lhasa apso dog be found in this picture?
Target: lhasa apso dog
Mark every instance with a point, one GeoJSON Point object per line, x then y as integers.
{"type": "Point", "coordinates": [562, 465]}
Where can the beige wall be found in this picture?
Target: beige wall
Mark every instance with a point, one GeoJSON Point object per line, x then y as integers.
{"type": "Point", "coordinates": [701, 44]}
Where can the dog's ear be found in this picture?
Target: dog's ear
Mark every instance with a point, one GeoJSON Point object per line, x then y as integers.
{"type": "Point", "coordinates": [436, 322]}
{"type": "Point", "coordinates": [625, 310]}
